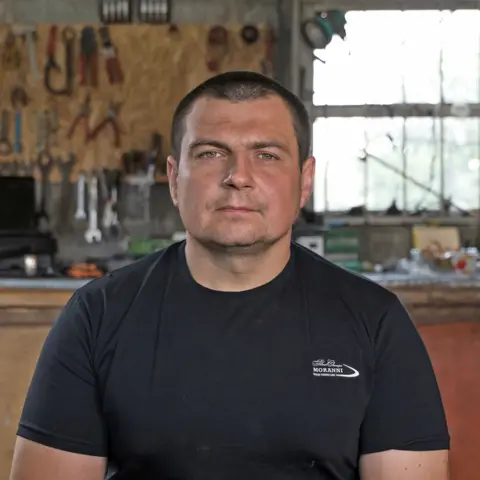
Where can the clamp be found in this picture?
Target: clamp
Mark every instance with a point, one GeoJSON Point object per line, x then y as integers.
{"type": "Point", "coordinates": [110, 119]}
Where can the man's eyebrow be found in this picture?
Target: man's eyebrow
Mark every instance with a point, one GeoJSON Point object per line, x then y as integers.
{"type": "Point", "coordinates": [206, 142]}
{"type": "Point", "coordinates": [269, 144]}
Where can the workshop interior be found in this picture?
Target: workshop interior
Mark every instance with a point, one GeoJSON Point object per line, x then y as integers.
{"type": "Point", "coordinates": [88, 90]}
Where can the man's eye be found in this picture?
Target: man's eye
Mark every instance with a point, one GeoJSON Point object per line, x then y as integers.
{"type": "Point", "coordinates": [268, 156]}
{"type": "Point", "coordinates": [209, 154]}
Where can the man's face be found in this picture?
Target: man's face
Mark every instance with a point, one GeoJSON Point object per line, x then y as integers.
{"type": "Point", "coordinates": [238, 182]}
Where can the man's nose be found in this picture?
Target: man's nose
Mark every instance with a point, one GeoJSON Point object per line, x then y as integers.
{"type": "Point", "coordinates": [239, 173]}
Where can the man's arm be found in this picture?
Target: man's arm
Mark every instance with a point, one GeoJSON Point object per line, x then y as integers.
{"type": "Point", "coordinates": [62, 434]}
{"type": "Point", "coordinates": [403, 465]}
{"type": "Point", "coordinates": [404, 435]}
{"type": "Point", "coordinates": [33, 461]}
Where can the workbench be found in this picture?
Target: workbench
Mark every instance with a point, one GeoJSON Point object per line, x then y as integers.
{"type": "Point", "coordinates": [446, 311]}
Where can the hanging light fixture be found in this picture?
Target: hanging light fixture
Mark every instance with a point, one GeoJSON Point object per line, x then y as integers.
{"type": "Point", "coordinates": [318, 31]}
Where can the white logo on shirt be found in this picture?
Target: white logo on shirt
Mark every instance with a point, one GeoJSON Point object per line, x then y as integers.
{"type": "Point", "coordinates": [328, 368]}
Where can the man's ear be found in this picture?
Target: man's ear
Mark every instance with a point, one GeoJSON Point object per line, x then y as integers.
{"type": "Point", "coordinates": [308, 179]}
{"type": "Point", "coordinates": [172, 173]}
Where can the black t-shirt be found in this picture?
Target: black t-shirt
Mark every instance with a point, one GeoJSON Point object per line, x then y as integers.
{"type": "Point", "coordinates": [291, 380]}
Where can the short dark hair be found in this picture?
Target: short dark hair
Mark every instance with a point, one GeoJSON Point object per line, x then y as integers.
{"type": "Point", "coordinates": [238, 86]}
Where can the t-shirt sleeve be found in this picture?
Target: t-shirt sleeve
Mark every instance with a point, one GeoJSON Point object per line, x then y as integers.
{"type": "Point", "coordinates": [405, 411]}
{"type": "Point", "coordinates": [62, 408]}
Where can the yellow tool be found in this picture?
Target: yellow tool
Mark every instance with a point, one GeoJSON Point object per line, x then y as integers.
{"type": "Point", "coordinates": [11, 55]}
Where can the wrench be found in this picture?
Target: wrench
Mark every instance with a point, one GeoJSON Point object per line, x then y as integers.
{"type": "Point", "coordinates": [80, 214]}
{"type": "Point", "coordinates": [29, 33]}
{"type": "Point", "coordinates": [45, 164]}
{"type": "Point", "coordinates": [65, 167]}
{"type": "Point", "coordinates": [111, 181]}
{"type": "Point", "coordinates": [93, 233]}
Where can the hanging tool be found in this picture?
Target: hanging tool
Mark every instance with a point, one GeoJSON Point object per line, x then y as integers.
{"type": "Point", "coordinates": [11, 55]}
{"type": "Point", "coordinates": [88, 58]}
{"type": "Point", "coordinates": [115, 11]}
{"type": "Point", "coordinates": [19, 100]}
{"type": "Point", "coordinates": [17, 143]}
{"type": "Point", "coordinates": [110, 119]}
{"type": "Point", "coordinates": [45, 165]}
{"type": "Point", "coordinates": [155, 154]}
{"type": "Point", "coordinates": [5, 145]}
{"type": "Point", "coordinates": [109, 52]}
{"type": "Point", "coordinates": [267, 63]}
{"type": "Point", "coordinates": [43, 133]}
{"type": "Point", "coordinates": [217, 47]}
{"type": "Point", "coordinates": [250, 34]}
{"type": "Point", "coordinates": [19, 97]}
{"type": "Point", "coordinates": [80, 213]}
{"type": "Point", "coordinates": [68, 37]}
{"type": "Point", "coordinates": [83, 115]}
{"type": "Point", "coordinates": [111, 186]}
{"type": "Point", "coordinates": [154, 11]}
{"type": "Point", "coordinates": [29, 33]}
{"type": "Point", "coordinates": [93, 234]}
{"type": "Point", "coordinates": [53, 125]}
{"type": "Point", "coordinates": [65, 168]}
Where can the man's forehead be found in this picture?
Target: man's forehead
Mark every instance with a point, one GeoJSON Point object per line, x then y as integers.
{"type": "Point", "coordinates": [267, 113]}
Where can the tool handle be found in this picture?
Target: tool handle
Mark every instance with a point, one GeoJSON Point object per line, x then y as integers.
{"type": "Point", "coordinates": [17, 147]}
{"type": "Point", "coordinates": [52, 38]}
{"type": "Point", "coordinates": [105, 36]}
{"type": "Point", "coordinates": [114, 70]}
{"type": "Point", "coordinates": [32, 56]}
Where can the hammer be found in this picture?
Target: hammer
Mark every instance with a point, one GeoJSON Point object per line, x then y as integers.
{"type": "Point", "coordinates": [29, 33]}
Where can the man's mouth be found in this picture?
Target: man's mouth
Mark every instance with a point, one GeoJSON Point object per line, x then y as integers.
{"type": "Point", "coordinates": [236, 209]}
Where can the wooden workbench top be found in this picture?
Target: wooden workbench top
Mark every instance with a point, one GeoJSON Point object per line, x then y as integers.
{"type": "Point", "coordinates": [428, 303]}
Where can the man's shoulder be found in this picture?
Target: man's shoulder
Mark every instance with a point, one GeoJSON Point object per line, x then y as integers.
{"type": "Point", "coordinates": [321, 274]}
{"type": "Point", "coordinates": [125, 282]}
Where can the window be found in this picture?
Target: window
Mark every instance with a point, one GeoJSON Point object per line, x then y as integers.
{"type": "Point", "coordinates": [393, 58]}
{"type": "Point", "coordinates": [394, 146]}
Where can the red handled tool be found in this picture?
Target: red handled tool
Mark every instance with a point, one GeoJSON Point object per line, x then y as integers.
{"type": "Point", "coordinates": [88, 57]}
{"type": "Point", "coordinates": [109, 52]}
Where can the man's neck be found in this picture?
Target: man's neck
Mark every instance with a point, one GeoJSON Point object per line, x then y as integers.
{"type": "Point", "coordinates": [236, 271]}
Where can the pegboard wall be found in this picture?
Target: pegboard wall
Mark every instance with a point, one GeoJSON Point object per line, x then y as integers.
{"type": "Point", "coordinates": [160, 63]}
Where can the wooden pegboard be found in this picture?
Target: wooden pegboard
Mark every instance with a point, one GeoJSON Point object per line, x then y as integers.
{"type": "Point", "coordinates": [160, 67]}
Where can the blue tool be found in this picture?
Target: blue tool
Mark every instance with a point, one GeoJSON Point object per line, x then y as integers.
{"type": "Point", "coordinates": [17, 145]}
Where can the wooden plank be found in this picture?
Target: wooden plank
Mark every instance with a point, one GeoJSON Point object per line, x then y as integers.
{"type": "Point", "coordinates": [33, 298]}
{"type": "Point", "coordinates": [31, 317]}
{"type": "Point", "coordinates": [19, 350]}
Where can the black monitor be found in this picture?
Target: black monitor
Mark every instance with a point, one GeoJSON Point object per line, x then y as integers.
{"type": "Point", "coordinates": [17, 204]}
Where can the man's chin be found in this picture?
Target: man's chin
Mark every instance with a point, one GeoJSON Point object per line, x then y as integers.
{"type": "Point", "coordinates": [235, 244]}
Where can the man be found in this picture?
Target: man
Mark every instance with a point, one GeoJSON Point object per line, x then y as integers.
{"type": "Point", "coordinates": [237, 354]}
